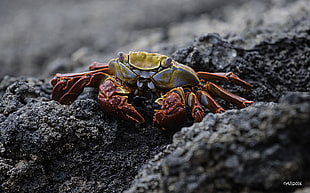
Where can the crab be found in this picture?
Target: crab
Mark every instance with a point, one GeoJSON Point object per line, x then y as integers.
{"type": "Point", "coordinates": [175, 85]}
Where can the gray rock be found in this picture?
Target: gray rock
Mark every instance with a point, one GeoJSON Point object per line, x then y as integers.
{"type": "Point", "coordinates": [76, 147]}
{"type": "Point", "coordinates": [254, 149]}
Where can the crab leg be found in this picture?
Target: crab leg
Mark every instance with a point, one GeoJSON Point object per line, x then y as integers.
{"type": "Point", "coordinates": [97, 65]}
{"type": "Point", "coordinates": [228, 96]}
{"type": "Point", "coordinates": [112, 101]}
{"type": "Point", "coordinates": [227, 77]}
{"type": "Point", "coordinates": [76, 87]}
{"type": "Point", "coordinates": [207, 100]}
{"type": "Point", "coordinates": [67, 87]}
{"type": "Point", "coordinates": [197, 110]}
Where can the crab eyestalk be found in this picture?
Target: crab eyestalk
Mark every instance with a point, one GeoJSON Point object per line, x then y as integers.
{"type": "Point", "coordinates": [167, 62]}
{"type": "Point", "coordinates": [120, 56]}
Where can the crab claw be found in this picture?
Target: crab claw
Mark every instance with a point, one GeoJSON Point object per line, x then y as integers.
{"type": "Point", "coordinates": [169, 120]}
{"type": "Point", "coordinates": [172, 112]}
{"type": "Point", "coordinates": [118, 106]}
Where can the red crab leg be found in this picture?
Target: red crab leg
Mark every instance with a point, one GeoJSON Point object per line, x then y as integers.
{"type": "Point", "coordinates": [227, 77]}
{"type": "Point", "coordinates": [97, 65]}
{"type": "Point", "coordinates": [228, 96]}
{"type": "Point", "coordinates": [111, 101]}
{"type": "Point", "coordinates": [172, 112]}
{"type": "Point", "coordinates": [197, 110]}
{"type": "Point", "coordinates": [75, 87]}
{"type": "Point", "coordinates": [67, 87]}
{"type": "Point", "coordinates": [209, 102]}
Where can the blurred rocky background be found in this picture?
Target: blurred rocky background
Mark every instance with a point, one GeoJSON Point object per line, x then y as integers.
{"type": "Point", "coordinates": [37, 36]}
{"type": "Point", "coordinates": [48, 147]}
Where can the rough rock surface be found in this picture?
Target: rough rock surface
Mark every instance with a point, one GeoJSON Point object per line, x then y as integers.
{"type": "Point", "coordinates": [255, 150]}
{"type": "Point", "coordinates": [48, 147]}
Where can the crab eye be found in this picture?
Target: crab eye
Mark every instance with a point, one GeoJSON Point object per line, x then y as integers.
{"type": "Point", "coordinates": [167, 62]}
{"type": "Point", "coordinates": [120, 56]}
